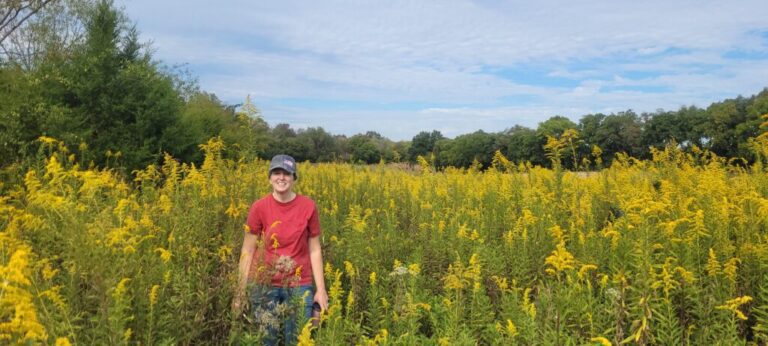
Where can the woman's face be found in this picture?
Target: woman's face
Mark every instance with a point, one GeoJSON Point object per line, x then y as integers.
{"type": "Point", "coordinates": [281, 180]}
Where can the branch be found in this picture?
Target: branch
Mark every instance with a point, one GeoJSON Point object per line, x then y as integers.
{"type": "Point", "coordinates": [20, 22]}
{"type": "Point", "coordinates": [7, 17]}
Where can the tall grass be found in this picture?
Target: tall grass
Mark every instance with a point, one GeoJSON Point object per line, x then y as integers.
{"type": "Point", "coordinates": [668, 251]}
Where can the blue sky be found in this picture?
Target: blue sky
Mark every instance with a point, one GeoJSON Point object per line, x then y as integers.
{"type": "Point", "coordinates": [400, 67]}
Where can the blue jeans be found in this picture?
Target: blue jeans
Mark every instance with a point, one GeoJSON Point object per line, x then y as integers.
{"type": "Point", "coordinates": [270, 298]}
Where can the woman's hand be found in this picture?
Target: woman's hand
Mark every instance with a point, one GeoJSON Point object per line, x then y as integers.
{"type": "Point", "coordinates": [321, 297]}
{"type": "Point", "coordinates": [237, 303]}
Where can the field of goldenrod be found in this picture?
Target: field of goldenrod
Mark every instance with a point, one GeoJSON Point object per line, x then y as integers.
{"type": "Point", "coordinates": [672, 251]}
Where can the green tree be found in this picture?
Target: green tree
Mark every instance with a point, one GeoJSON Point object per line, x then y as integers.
{"type": "Point", "coordinates": [52, 32]}
{"type": "Point", "coordinates": [662, 128]}
{"type": "Point", "coordinates": [520, 144]}
{"type": "Point", "coordinates": [203, 116]}
{"type": "Point", "coordinates": [693, 121]}
{"type": "Point", "coordinates": [363, 149]}
{"type": "Point", "coordinates": [13, 14]}
{"type": "Point", "coordinates": [20, 122]}
{"type": "Point", "coordinates": [422, 144]}
{"type": "Point", "coordinates": [247, 131]}
{"type": "Point", "coordinates": [554, 127]}
{"type": "Point", "coordinates": [441, 152]}
{"type": "Point", "coordinates": [620, 133]}
{"type": "Point", "coordinates": [729, 125]}
{"type": "Point", "coordinates": [465, 149]}
{"type": "Point", "coordinates": [322, 145]}
{"type": "Point", "coordinates": [115, 96]}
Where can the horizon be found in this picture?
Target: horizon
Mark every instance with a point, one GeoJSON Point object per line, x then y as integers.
{"type": "Point", "coordinates": [459, 66]}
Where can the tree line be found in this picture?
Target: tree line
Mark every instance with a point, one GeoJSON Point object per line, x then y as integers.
{"type": "Point", "coordinates": [76, 71]}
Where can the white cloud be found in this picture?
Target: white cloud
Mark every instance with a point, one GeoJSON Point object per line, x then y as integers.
{"type": "Point", "coordinates": [438, 52]}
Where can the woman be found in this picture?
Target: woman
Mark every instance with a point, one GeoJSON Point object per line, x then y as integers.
{"type": "Point", "coordinates": [289, 225]}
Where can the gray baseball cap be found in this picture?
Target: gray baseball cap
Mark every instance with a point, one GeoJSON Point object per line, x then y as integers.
{"type": "Point", "coordinates": [285, 162]}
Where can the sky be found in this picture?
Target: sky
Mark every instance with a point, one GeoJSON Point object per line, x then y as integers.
{"type": "Point", "coordinates": [401, 67]}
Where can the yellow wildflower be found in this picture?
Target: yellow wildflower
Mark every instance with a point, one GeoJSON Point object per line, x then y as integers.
{"type": "Point", "coordinates": [350, 301]}
{"type": "Point", "coordinates": [730, 267]}
{"type": "Point", "coordinates": [601, 340]}
{"type": "Point", "coordinates": [560, 260]}
{"type": "Point", "coordinates": [305, 338]}
{"type": "Point", "coordinates": [127, 335]}
{"type": "Point", "coordinates": [414, 269]}
{"type": "Point", "coordinates": [224, 252]}
{"type": "Point", "coordinates": [62, 342]}
{"type": "Point", "coordinates": [528, 306]}
{"type": "Point", "coordinates": [349, 268]}
{"type": "Point", "coordinates": [713, 266]}
{"type": "Point", "coordinates": [733, 306]}
{"type": "Point", "coordinates": [501, 283]}
{"type": "Point", "coordinates": [153, 295]}
{"type": "Point", "coordinates": [275, 243]}
{"type": "Point", "coordinates": [297, 274]}
{"type": "Point", "coordinates": [584, 269]}
{"type": "Point", "coordinates": [165, 255]}
{"type": "Point", "coordinates": [511, 328]}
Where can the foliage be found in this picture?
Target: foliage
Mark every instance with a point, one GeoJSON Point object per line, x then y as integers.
{"type": "Point", "coordinates": [423, 144]}
{"type": "Point", "coordinates": [642, 252]}
{"type": "Point", "coordinates": [363, 149]}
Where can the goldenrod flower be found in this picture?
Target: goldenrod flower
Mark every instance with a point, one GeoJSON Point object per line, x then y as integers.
{"type": "Point", "coordinates": [127, 335]}
{"type": "Point", "coordinates": [165, 255]}
{"type": "Point", "coordinates": [153, 295]}
{"type": "Point", "coordinates": [350, 269]}
{"type": "Point", "coordinates": [560, 260]}
{"type": "Point", "coordinates": [414, 269]}
{"type": "Point", "coordinates": [511, 329]}
{"type": "Point", "coordinates": [733, 306]}
{"type": "Point", "coordinates": [601, 340]}
{"type": "Point", "coordinates": [730, 267]}
{"type": "Point", "coordinates": [713, 266]}
{"type": "Point", "coordinates": [305, 337]}
{"type": "Point", "coordinates": [275, 243]}
{"type": "Point", "coordinates": [584, 269]}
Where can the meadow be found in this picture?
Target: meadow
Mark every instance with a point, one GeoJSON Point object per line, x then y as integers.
{"type": "Point", "coordinates": [669, 251]}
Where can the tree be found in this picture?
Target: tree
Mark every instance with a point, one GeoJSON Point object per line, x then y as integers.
{"type": "Point", "coordinates": [322, 146]}
{"type": "Point", "coordinates": [283, 130]}
{"type": "Point", "coordinates": [52, 33]}
{"type": "Point", "coordinates": [13, 14]}
{"type": "Point", "coordinates": [422, 144]}
{"type": "Point", "coordinates": [283, 140]}
{"type": "Point", "coordinates": [119, 99]}
{"type": "Point", "coordinates": [20, 124]}
{"type": "Point", "coordinates": [620, 133]}
{"type": "Point", "coordinates": [441, 152]}
{"type": "Point", "coordinates": [724, 117]}
{"type": "Point", "coordinates": [520, 144]}
{"type": "Point", "coordinates": [693, 122]}
{"type": "Point", "coordinates": [662, 128]}
{"type": "Point", "coordinates": [465, 149]}
{"type": "Point", "coordinates": [554, 127]}
{"type": "Point", "coordinates": [203, 116]}
{"type": "Point", "coordinates": [362, 149]}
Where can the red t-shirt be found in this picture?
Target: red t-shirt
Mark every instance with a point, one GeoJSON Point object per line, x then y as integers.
{"type": "Point", "coordinates": [290, 225]}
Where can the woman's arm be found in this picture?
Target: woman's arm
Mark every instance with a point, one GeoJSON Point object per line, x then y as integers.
{"type": "Point", "coordinates": [246, 257]}
{"type": "Point", "coordinates": [316, 259]}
